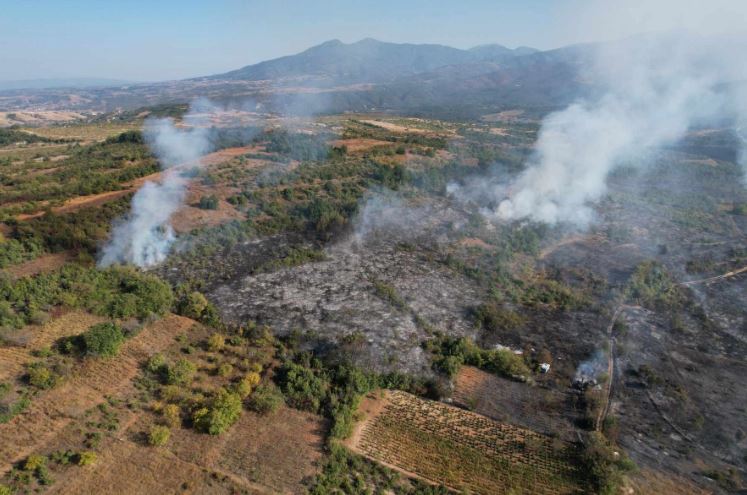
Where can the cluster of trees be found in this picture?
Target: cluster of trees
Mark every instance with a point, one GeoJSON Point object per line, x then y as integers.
{"type": "Point", "coordinates": [335, 389]}
{"type": "Point", "coordinates": [116, 292]}
{"type": "Point", "coordinates": [10, 136]}
{"type": "Point", "coordinates": [101, 340]}
{"type": "Point", "coordinates": [451, 353]}
{"type": "Point", "coordinates": [89, 169]}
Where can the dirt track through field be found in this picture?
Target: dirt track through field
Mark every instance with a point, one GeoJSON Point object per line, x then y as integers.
{"type": "Point", "coordinates": [74, 204]}
{"type": "Point", "coordinates": [717, 278]}
{"type": "Point", "coordinates": [94, 379]}
{"type": "Point", "coordinates": [610, 371]}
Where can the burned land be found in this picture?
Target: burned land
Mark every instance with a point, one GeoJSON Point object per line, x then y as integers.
{"type": "Point", "coordinates": [318, 261]}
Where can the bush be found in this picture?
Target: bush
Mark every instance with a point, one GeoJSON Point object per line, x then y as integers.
{"type": "Point", "coordinates": [603, 465]}
{"type": "Point", "coordinates": [103, 339]}
{"type": "Point", "coordinates": [4, 490]}
{"type": "Point", "coordinates": [34, 462]}
{"type": "Point", "coordinates": [158, 435]}
{"type": "Point", "coordinates": [181, 373]}
{"type": "Point", "coordinates": [42, 377]}
{"type": "Point", "coordinates": [192, 305]}
{"type": "Point", "coordinates": [86, 458]}
{"type": "Point", "coordinates": [245, 386]}
{"type": "Point", "coordinates": [494, 318]}
{"type": "Point", "coordinates": [303, 388]}
{"type": "Point", "coordinates": [156, 363]}
{"type": "Point", "coordinates": [219, 414]}
{"type": "Point", "coordinates": [172, 415]}
{"type": "Point", "coordinates": [225, 370]}
{"type": "Point", "coordinates": [208, 202]}
{"type": "Point", "coordinates": [266, 399]}
{"type": "Point", "coordinates": [216, 342]}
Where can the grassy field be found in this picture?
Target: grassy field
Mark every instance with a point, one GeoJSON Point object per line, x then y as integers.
{"type": "Point", "coordinates": [463, 450]}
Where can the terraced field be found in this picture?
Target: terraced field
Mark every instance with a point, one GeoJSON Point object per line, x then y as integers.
{"type": "Point", "coordinates": [462, 450]}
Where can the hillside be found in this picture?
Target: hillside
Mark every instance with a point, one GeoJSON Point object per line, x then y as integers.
{"type": "Point", "coordinates": [368, 61]}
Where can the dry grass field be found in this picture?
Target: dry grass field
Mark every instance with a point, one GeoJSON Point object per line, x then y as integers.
{"type": "Point", "coordinates": [460, 449]}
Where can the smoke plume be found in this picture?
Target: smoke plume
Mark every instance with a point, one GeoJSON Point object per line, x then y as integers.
{"type": "Point", "coordinates": [145, 236]}
{"type": "Point", "coordinates": [656, 89]}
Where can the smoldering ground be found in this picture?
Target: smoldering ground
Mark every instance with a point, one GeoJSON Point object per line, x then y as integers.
{"type": "Point", "coordinates": [654, 89]}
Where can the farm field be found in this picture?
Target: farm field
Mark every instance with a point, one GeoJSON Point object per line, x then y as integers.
{"type": "Point", "coordinates": [462, 450]}
{"type": "Point", "coordinates": [537, 408]}
{"type": "Point", "coordinates": [100, 408]}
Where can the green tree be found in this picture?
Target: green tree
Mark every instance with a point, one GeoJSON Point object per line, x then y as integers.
{"type": "Point", "coordinates": [219, 414]}
{"type": "Point", "coordinates": [103, 339]}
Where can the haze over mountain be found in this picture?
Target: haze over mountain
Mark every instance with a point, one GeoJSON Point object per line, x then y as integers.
{"type": "Point", "coordinates": [370, 61]}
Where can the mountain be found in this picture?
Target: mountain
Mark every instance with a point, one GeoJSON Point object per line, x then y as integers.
{"type": "Point", "coordinates": [368, 61]}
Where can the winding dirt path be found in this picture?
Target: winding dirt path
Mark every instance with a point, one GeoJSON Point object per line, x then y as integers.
{"type": "Point", "coordinates": [79, 202]}
{"type": "Point", "coordinates": [717, 278]}
{"type": "Point", "coordinates": [610, 370]}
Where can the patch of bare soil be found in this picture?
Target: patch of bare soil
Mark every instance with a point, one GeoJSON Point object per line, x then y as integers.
{"type": "Point", "coordinates": [188, 218]}
{"type": "Point", "coordinates": [390, 126]}
{"type": "Point", "coordinates": [13, 358]}
{"type": "Point", "coordinates": [129, 468]}
{"type": "Point", "coordinates": [360, 144]}
{"type": "Point", "coordinates": [279, 451]}
{"type": "Point", "coordinates": [42, 264]}
{"type": "Point", "coordinates": [40, 117]}
{"type": "Point", "coordinates": [94, 379]}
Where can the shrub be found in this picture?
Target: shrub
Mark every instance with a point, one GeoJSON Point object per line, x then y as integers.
{"type": "Point", "coordinates": [192, 305]}
{"type": "Point", "coordinates": [303, 388]}
{"type": "Point", "coordinates": [86, 458]}
{"type": "Point", "coordinates": [219, 413]}
{"type": "Point", "coordinates": [34, 462]}
{"type": "Point", "coordinates": [266, 399]}
{"type": "Point", "coordinates": [158, 435]}
{"type": "Point", "coordinates": [4, 490]}
{"type": "Point", "coordinates": [603, 464]}
{"type": "Point", "coordinates": [156, 363]}
{"type": "Point", "coordinates": [243, 388]}
{"type": "Point", "coordinates": [494, 318]}
{"type": "Point", "coordinates": [253, 378]}
{"type": "Point", "coordinates": [181, 372]}
{"type": "Point", "coordinates": [216, 342]}
{"type": "Point", "coordinates": [42, 377]}
{"type": "Point", "coordinates": [225, 370]}
{"type": "Point", "coordinates": [172, 415]}
{"type": "Point", "coordinates": [103, 339]}
{"type": "Point", "coordinates": [208, 202]}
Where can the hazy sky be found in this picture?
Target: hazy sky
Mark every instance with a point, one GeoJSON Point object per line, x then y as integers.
{"type": "Point", "coordinates": [167, 39]}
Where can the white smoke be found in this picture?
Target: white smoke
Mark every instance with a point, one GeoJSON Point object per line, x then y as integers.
{"type": "Point", "coordinates": [656, 89]}
{"type": "Point", "coordinates": [648, 91]}
{"type": "Point", "coordinates": [145, 236]}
